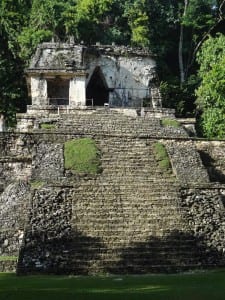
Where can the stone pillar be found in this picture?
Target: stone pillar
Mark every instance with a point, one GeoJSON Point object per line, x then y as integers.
{"type": "Point", "coordinates": [77, 91]}
{"type": "Point", "coordinates": [2, 123]}
{"type": "Point", "coordinates": [156, 97]}
{"type": "Point", "coordinates": [39, 91]}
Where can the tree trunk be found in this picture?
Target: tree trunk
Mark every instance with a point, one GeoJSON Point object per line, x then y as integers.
{"type": "Point", "coordinates": [181, 40]}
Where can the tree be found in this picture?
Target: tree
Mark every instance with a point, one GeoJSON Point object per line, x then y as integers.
{"type": "Point", "coordinates": [138, 21]}
{"type": "Point", "coordinates": [45, 21]}
{"type": "Point", "coordinates": [100, 20]}
{"type": "Point", "coordinates": [12, 18]}
{"type": "Point", "coordinates": [198, 20]}
{"type": "Point", "coordinates": [211, 92]}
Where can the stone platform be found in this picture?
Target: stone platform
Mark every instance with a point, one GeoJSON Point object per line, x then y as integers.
{"type": "Point", "coordinates": [133, 217]}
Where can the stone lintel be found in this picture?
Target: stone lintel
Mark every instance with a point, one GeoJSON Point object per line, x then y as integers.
{"type": "Point", "coordinates": [45, 73]}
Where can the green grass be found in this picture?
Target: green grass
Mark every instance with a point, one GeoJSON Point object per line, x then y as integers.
{"type": "Point", "coordinates": [82, 156]}
{"type": "Point", "coordinates": [199, 286]}
{"type": "Point", "coordinates": [8, 258]}
{"type": "Point", "coordinates": [170, 122]}
{"type": "Point", "coordinates": [162, 157]}
{"type": "Point", "coordinates": [36, 184]}
{"type": "Point", "coordinates": [48, 126]}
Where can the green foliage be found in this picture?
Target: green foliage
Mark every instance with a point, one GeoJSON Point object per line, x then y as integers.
{"type": "Point", "coordinates": [30, 38]}
{"type": "Point", "coordinates": [138, 21]}
{"type": "Point", "coordinates": [42, 27]}
{"type": "Point", "coordinates": [12, 89]}
{"type": "Point", "coordinates": [211, 92]}
{"type": "Point", "coordinates": [170, 122]}
{"type": "Point", "coordinates": [82, 156]}
{"type": "Point", "coordinates": [199, 15]}
{"type": "Point", "coordinates": [13, 16]}
{"type": "Point", "coordinates": [92, 21]}
{"type": "Point", "coordinates": [162, 157]}
{"type": "Point", "coordinates": [180, 97]}
{"type": "Point", "coordinates": [146, 23]}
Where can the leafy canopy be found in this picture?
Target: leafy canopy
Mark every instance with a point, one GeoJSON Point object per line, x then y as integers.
{"type": "Point", "coordinates": [211, 92]}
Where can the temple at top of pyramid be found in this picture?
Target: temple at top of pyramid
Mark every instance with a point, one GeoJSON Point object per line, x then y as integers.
{"type": "Point", "coordinates": [73, 76]}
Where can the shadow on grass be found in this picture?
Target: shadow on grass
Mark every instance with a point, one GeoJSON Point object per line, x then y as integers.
{"type": "Point", "coordinates": [199, 286]}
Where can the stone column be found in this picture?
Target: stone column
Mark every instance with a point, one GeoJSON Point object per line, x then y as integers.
{"type": "Point", "coordinates": [156, 97]}
{"type": "Point", "coordinates": [2, 123]}
{"type": "Point", "coordinates": [77, 91]}
{"type": "Point", "coordinates": [39, 91]}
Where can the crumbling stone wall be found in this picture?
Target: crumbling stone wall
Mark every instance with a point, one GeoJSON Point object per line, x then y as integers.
{"type": "Point", "coordinates": [186, 161]}
{"type": "Point", "coordinates": [14, 205]}
{"type": "Point", "coordinates": [14, 202]}
{"type": "Point", "coordinates": [206, 216]}
{"type": "Point", "coordinates": [48, 161]}
{"type": "Point", "coordinates": [12, 169]}
{"type": "Point", "coordinates": [15, 157]}
{"type": "Point", "coordinates": [213, 157]}
{"type": "Point", "coordinates": [13, 144]}
{"type": "Point", "coordinates": [48, 231]}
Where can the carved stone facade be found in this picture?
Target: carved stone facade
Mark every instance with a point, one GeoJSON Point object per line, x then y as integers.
{"type": "Point", "coordinates": [75, 76]}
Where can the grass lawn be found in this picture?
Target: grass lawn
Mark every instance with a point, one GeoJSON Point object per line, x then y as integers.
{"type": "Point", "coordinates": [198, 286]}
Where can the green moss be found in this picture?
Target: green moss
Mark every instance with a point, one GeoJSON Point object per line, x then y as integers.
{"type": "Point", "coordinates": [47, 126]}
{"type": "Point", "coordinates": [8, 258]}
{"type": "Point", "coordinates": [36, 184]}
{"type": "Point", "coordinates": [82, 156]}
{"type": "Point", "coordinates": [170, 122]}
{"type": "Point", "coordinates": [162, 157]}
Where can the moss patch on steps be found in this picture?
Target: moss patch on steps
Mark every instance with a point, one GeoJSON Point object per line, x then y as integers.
{"type": "Point", "coordinates": [81, 156]}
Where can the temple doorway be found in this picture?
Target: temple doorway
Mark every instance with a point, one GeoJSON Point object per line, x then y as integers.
{"type": "Point", "coordinates": [58, 91]}
{"type": "Point", "coordinates": [97, 92]}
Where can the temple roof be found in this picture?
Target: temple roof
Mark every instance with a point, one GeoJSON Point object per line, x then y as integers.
{"type": "Point", "coordinates": [68, 57]}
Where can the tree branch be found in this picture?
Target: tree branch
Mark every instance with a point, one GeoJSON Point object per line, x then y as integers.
{"type": "Point", "coordinates": [206, 34]}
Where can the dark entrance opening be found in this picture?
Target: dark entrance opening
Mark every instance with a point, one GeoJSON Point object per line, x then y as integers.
{"type": "Point", "coordinates": [97, 89]}
{"type": "Point", "coordinates": [58, 91]}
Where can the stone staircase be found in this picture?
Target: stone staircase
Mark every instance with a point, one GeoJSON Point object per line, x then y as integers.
{"type": "Point", "coordinates": [127, 219]}
{"type": "Point", "coordinates": [108, 122]}
{"type": "Point", "coordinates": [133, 210]}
